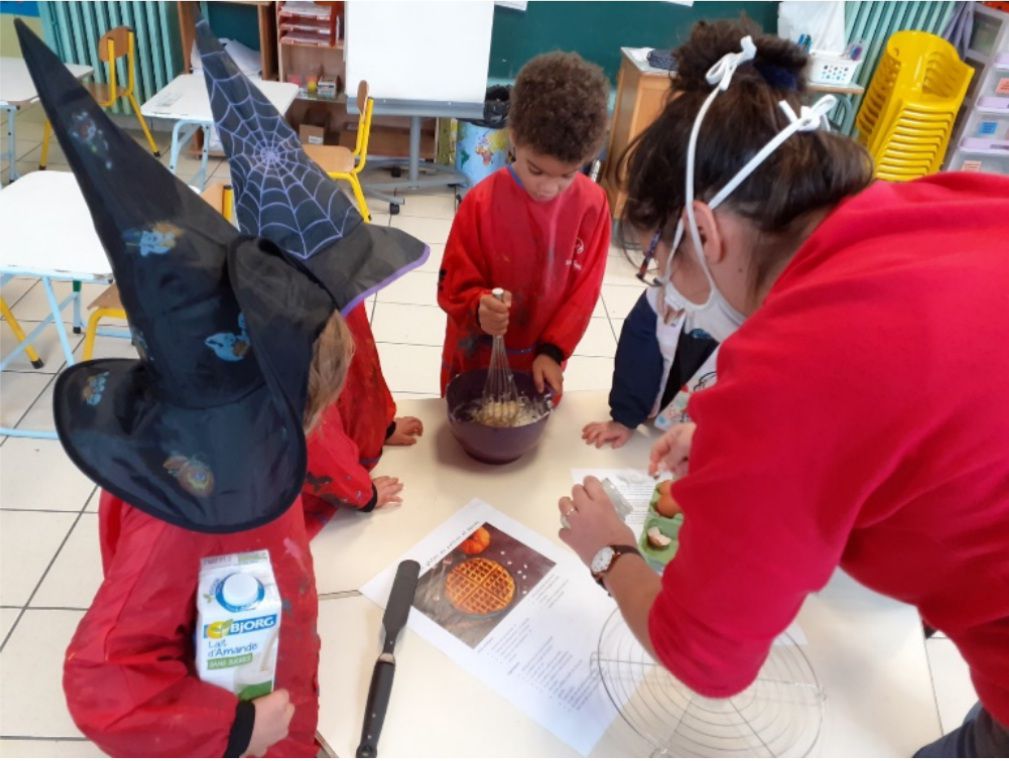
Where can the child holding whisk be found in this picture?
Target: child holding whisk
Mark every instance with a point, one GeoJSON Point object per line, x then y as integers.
{"type": "Point", "coordinates": [538, 228]}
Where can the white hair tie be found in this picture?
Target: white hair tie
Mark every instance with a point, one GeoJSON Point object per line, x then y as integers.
{"type": "Point", "coordinates": [721, 73]}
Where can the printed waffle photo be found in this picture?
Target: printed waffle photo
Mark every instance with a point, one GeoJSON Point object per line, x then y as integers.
{"type": "Point", "coordinates": [479, 582]}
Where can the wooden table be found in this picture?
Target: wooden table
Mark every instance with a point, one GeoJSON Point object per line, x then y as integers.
{"type": "Point", "coordinates": [17, 90]}
{"type": "Point", "coordinates": [868, 651]}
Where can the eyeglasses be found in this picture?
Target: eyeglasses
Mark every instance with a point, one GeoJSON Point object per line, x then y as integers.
{"type": "Point", "coordinates": [653, 246]}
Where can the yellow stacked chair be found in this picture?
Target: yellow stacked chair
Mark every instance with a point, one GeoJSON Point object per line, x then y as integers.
{"type": "Point", "coordinates": [908, 112]}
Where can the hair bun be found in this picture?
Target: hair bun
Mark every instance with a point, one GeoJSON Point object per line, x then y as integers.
{"type": "Point", "coordinates": [779, 63]}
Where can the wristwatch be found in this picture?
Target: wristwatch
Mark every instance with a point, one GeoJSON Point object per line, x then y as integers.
{"type": "Point", "coordinates": [604, 560]}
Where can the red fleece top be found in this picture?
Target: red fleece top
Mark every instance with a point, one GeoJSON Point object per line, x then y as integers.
{"type": "Point", "coordinates": [860, 420]}
{"type": "Point", "coordinates": [130, 676]}
{"type": "Point", "coordinates": [551, 256]}
{"type": "Point", "coordinates": [366, 405]}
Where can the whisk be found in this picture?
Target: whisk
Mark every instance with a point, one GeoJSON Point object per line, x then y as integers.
{"type": "Point", "coordinates": [500, 403]}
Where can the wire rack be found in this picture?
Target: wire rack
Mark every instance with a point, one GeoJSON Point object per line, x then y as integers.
{"type": "Point", "coordinates": [780, 714]}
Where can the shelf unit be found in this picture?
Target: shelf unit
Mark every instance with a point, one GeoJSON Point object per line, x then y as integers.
{"type": "Point", "coordinates": [311, 42]}
{"type": "Point", "coordinates": [265, 18]}
{"type": "Point", "coordinates": [982, 134]}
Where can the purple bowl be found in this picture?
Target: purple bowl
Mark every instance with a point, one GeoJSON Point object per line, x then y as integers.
{"type": "Point", "coordinates": [484, 443]}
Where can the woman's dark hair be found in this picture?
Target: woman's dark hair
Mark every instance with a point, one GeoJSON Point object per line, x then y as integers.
{"type": "Point", "coordinates": [809, 171]}
{"type": "Point", "coordinates": [559, 107]}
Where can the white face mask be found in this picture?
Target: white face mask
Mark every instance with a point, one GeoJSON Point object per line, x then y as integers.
{"type": "Point", "coordinates": [716, 316]}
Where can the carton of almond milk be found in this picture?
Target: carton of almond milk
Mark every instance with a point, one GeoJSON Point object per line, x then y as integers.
{"type": "Point", "coordinates": [238, 623]}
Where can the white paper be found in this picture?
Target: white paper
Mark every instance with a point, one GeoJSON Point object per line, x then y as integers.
{"type": "Point", "coordinates": [538, 651]}
{"type": "Point", "coordinates": [636, 486]}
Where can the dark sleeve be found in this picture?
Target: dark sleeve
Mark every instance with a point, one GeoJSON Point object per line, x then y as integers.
{"type": "Point", "coordinates": [637, 369]}
{"type": "Point", "coordinates": [241, 730]}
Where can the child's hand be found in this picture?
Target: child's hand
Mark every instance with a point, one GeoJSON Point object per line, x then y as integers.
{"type": "Point", "coordinates": [546, 372]}
{"type": "Point", "coordinates": [493, 313]}
{"type": "Point", "coordinates": [611, 432]}
{"type": "Point", "coordinates": [672, 451]}
{"type": "Point", "coordinates": [408, 430]}
{"type": "Point", "coordinates": [273, 716]}
{"type": "Point", "coordinates": [388, 490]}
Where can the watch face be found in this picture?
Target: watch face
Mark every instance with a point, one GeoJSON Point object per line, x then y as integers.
{"type": "Point", "coordinates": [601, 561]}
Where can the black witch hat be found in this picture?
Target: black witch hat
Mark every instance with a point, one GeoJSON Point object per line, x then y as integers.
{"type": "Point", "coordinates": [204, 431]}
{"type": "Point", "coordinates": [284, 196]}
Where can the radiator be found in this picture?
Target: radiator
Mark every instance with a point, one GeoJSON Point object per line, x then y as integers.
{"type": "Point", "coordinates": [72, 30]}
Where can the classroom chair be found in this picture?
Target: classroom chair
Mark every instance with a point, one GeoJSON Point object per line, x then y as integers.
{"type": "Point", "coordinates": [108, 306]}
{"type": "Point", "coordinates": [343, 164]}
{"type": "Point", "coordinates": [907, 116]}
{"type": "Point", "coordinates": [115, 44]}
{"type": "Point", "coordinates": [19, 334]}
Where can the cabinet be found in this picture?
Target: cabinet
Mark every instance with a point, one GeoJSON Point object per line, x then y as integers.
{"type": "Point", "coordinates": [982, 136]}
{"type": "Point", "coordinates": [641, 95]}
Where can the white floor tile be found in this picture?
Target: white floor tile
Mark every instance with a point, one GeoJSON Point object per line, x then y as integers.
{"type": "Point", "coordinates": [33, 660]}
{"type": "Point", "coordinates": [18, 392]}
{"type": "Point", "coordinates": [954, 692]}
{"type": "Point", "coordinates": [29, 540]}
{"type": "Point", "coordinates": [49, 749]}
{"type": "Point", "coordinates": [16, 288]}
{"type": "Point", "coordinates": [413, 288]}
{"type": "Point", "coordinates": [76, 573]}
{"type": "Point", "coordinates": [47, 345]}
{"type": "Point", "coordinates": [24, 143]}
{"type": "Point", "coordinates": [618, 325]}
{"type": "Point", "coordinates": [56, 157]}
{"type": "Point", "coordinates": [92, 506]}
{"type": "Point", "coordinates": [222, 174]}
{"type": "Point", "coordinates": [620, 299]}
{"type": "Point", "coordinates": [415, 369]}
{"type": "Point", "coordinates": [588, 374]}
{"type": "Point", "coordinates": [599, 310]}
{"type": "Point", "coordinates": [598, 340]}
{"type": "Point", "coordinates": [40, 415]}
{"type": "Point", "coordinates": [428, 230]}
{"type": "Point", "coordinates": [35, 305]}
{"type": "Point", "coordinates": [409, 324]}
{"type": "Point", "coordinates": [378, 219]}
{"type": "Point", "coordinates": [111, 347]}
{"type": "Point", "coordinates": [7, 618]}
{"type": "Point", "coordinates": [619, 271]}
{"type": "Point", "coordinates": [37, 474]}
{"type": "Point", "coordinates": [433, 263]}
{"type": "Point", "coordinates": [436, 205]}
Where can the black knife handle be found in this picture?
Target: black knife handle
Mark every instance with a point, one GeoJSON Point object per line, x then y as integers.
{"type": "Point", "coordinates": [378, 702]}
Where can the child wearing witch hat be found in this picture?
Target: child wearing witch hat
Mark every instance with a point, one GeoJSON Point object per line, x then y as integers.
{"type": "Point", "coordinates": [271, 175]}
{"type": "Point", "coordinates": [198, 446]}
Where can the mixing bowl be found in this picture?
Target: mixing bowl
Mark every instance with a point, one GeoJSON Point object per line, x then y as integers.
{"type": "Point", "coordinates": [482, 442]}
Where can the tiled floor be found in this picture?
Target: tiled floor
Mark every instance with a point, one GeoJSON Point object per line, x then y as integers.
{"type": "Point", "coordinates": [49, 566]}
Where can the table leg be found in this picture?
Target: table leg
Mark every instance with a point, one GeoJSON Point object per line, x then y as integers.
{"type": "Point", "coordinates": [57, 316]}
{"type": "Point", "coordinates": [204, 157]}
{"type": "Point", "coordinates": [414, 149]}
{"type": "Point", "coordinates": [12, 169]}
{"type": "Point", "coordinates": [78, 320]}
{"type": "Point", "coordinates": [173, 155]}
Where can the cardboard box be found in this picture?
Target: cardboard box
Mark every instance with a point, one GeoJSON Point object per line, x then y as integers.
{"type": "Point", "coordinates": [312, 134]}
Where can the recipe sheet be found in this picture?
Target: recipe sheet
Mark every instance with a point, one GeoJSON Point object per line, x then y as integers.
{"type": "Point", "coordinates": [517, 611]}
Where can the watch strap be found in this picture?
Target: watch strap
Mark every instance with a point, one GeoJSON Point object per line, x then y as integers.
{"type": "Point", "coordinates": [619, 550]}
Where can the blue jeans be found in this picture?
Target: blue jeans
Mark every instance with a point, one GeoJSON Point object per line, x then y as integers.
{"type": "Point", "coordinates": [980, 736]}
